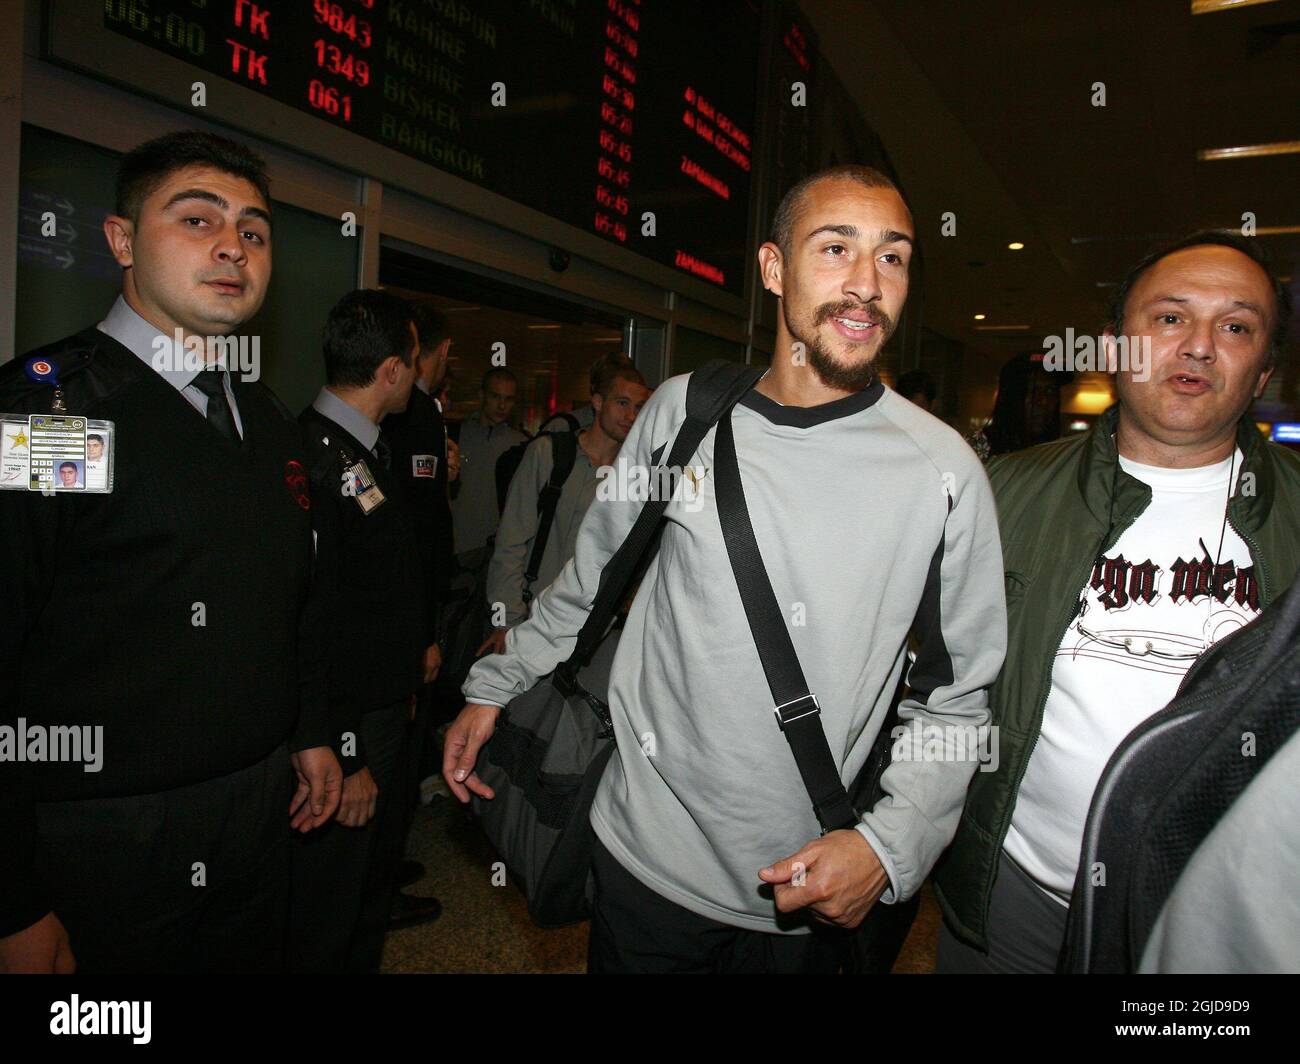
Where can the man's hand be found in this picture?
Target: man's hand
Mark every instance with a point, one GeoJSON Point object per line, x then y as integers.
{"type": "Point", "coordinates": [838, 876]}
{"type": "Point", "coordinates": [41, 949]}
{"type": "Point", "coordinates": [360, 796]}
{"type": "Point", "coordinates": [453, 461]}
{"type": "Point", "coordinates": [496, 641]}
{"type": "Point", "coordinates": [432, 662]}
{"type": "Point", "coordinates": [320, 783]}
{"type": "Point", "coordinates": [465, 738]}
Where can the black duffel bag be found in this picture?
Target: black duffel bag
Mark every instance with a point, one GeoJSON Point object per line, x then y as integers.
{"type": "Point", "coordinates": [552, 743]}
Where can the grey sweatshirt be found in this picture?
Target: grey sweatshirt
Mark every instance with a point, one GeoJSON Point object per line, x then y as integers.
{"type": "Point", "coordinates": [520, 520]}
{"type": "Point", "coordinates": [875, 520]}
{"type": "Point", "coordinates": [474, 511]}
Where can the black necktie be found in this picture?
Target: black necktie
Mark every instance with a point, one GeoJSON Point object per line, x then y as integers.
{"type": "Point", "coordinates": [210, 383]}
{"type": "Point", "coordinates": [383, 452]}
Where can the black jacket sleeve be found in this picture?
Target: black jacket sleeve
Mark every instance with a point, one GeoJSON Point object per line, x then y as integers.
{"type": "Point", "coordinates": [323, 611]}
{"type": "Point", "coordinates": [32, 528]}
{"type": "Point", "coordinates": [315, 724]}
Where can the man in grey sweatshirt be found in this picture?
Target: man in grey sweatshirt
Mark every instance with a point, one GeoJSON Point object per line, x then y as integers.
{"type": "Point", "coordinates": [618, 393]}
{"type": "Point", "coordinates": [876, 524]}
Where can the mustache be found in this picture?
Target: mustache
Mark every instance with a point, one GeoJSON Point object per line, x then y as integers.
{"type": "Point", "coordinates": [873, 313]}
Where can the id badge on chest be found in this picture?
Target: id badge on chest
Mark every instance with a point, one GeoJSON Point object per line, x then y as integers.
{"type": "Point", "coordinates": [58, 451]}
{"type": "Point", "coordinates": [359, 482]}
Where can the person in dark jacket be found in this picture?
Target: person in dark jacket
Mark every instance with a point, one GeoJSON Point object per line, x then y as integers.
{"type": "Point", "coordinates": [175, 855]}
{"type": "Point", "coordinates": [419, 440]}
{"type": "Point", "coordinates": [376, 631]}
{"type": "Point", "coordinates": [1129, 551]}
{"type": "Point", "coordinates": [418, 437]}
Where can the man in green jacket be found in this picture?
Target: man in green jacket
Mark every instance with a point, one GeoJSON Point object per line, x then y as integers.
{"type": "Point", "coordinates": [1128, 552]}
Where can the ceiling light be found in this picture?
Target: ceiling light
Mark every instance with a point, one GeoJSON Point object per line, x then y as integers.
{"type": "Point", "coordinates": [979, 317]}
{"type": "Point", "coordinates": [1250, 151]}
{"type": "Point", "coordinates": [1015, 245]}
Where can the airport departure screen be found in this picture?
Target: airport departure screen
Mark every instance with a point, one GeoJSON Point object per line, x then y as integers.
{"type": "Point", "coordinates": [631, 119]}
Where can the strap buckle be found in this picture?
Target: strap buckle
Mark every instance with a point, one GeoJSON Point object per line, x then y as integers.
{"type": "Point", "coordinates": [796, 709]}
{"type": "Point", "coordinates": [564, 679]}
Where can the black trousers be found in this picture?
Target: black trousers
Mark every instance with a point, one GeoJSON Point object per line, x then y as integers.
{"type": "Point", "coordinates": [1025, 930]}
{"type": "Point", "coordinates": [418, 751]}
{"type": "Point", "coordinates": [194, 879]}
{"type": "Point", "coordinates": [342, 882]}
{"type": "Point", "coordinates": [635, 930]}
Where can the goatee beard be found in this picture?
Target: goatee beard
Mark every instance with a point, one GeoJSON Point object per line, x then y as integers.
{"type": "Point", "coordinates": [830, 371]}
{"type": "Point", "coordinates": [836, 374]}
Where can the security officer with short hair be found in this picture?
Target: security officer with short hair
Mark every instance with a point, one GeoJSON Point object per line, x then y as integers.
{"type": "Point", "coordinates": [419, 441]}
{"type": "Point", "coordinates": [418, 437]}
{"type": "Point", "coordinates": [172, 854]}
{"type": "Point", "coordinates": [376, 631]}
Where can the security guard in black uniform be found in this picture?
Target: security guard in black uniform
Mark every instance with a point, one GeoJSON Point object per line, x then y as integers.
{"type": "Point", "coordinates": [189, 554]}
{"type": "Point", "coordinates": [419, 441]}
{"type": "Point", "coordinates": [376, 633]}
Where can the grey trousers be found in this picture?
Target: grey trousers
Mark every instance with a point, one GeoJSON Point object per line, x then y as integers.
{"type": "Point", "coordinates": [1026, 930]}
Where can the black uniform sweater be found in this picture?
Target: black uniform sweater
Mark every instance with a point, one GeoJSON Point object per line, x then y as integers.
{"type": "Point", "coordinates": [176, 611]}
{"type": "Point", "coordinates": [372, 579]}
{"type": "Point", "coordinates": [417, 434]}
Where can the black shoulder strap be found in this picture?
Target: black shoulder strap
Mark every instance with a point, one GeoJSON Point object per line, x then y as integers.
{"type": "Point", "coordinates": [712, 391]}
{"type": "Point", "coordinates": [564, 452]}
{"type": "Point", "coordinates": [571, 423]}
{"type": "Point", "coordinates": [797, 711]}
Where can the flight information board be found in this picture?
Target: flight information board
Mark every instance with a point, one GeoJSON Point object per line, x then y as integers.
{"type": "Point", "coordinates": [596, 112]}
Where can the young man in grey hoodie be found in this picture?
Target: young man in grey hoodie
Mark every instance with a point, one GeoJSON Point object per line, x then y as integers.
{"type": "Point", "coordinates": [876, 524]}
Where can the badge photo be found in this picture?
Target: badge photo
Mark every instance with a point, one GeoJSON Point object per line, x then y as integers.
{"type": "Point", "coordinates": [53, 453]}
